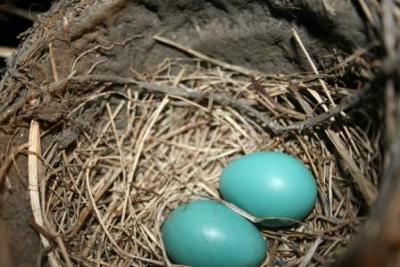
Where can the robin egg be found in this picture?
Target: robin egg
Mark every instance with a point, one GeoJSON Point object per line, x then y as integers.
{"type": "Point", "coordinates": [271, 185]}
{"type": "Point", "coordinates": [205, 233]}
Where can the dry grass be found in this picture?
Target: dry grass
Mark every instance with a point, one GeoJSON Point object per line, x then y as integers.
{"type": "Point", "coordinates": [148, 153]}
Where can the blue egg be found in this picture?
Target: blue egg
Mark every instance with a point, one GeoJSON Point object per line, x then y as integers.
{"type": "Point", "coordinates": [205, 233]}
{"type": "Point", "coordinates": [270, 185]}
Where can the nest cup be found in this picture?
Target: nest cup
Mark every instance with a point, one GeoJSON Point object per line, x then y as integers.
{"type": "Point", "coordinates": [149, 153]}
{"type": "Point", "coordinates": [124, 150]}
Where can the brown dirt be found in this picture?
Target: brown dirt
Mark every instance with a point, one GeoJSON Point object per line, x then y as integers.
{"type": "Point", "coordinates": [15, 210]}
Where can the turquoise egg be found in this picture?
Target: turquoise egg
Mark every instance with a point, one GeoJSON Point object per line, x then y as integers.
{"type": "Point", "coordinates": [205, 233]}
{"type": "Point", "coordinates": [270, 185]}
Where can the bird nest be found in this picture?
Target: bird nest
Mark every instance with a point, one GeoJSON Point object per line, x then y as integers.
{"type": "Point", "coordinates": [165, 139]}
{"type": "Point", "coordinates": [135, 117]}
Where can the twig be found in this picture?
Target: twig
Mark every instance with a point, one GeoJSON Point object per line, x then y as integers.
{"type": "Point", "coordinates": [56, 238]}
{"type": "Point", "coordinates": [196, 95]}
{"type": "Point", "coordinates": [7, 163]}
{"type": "Point", "coordinates": [388, 69]}
{"type": "Point", "coordinates": [65, 29]}
{"type": "Point", "coordinates": [314, 68]}
{"type": "Point", "coordinates": [206, 58]}
{"type": "Point", "coordinates": [158, 224]}
{"type": "Point", "coordinates": [367, 12]}
{"type": "Point", "coordinates": [345, 104]}
{"type": "Point", "coordinates": [86, 212]}
{"type": "Point", "coordinates": [6, 52]}
{"type": "Point", "coordinates": [41, 230]}
{"type": "Point", "coordinates": [328, 8]}
{"type": "Point", "coordinates": [389, 28]}
{"type": "Point", "coordinates": [307, 258]}
{"type": "Point", "coordinates": [34, 166]}
{"type": "Point", "coordinates": [53, 62]}
{"type": "Point", "coordinates": [141, 141]}
{"type": "Point", "coordinates": [29, 15]}
{"type": "Point", "coordinates": [367, 189]}
{"type": "Point", "coordinates": [108, 48]}
{"type": "Point", "coordinates": [117, 248]}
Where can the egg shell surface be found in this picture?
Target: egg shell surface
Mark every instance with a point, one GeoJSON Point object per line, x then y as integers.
{"type": "Point", "coordinates": [205, 233]}
{"type": "Point", "coordinates": [270, 185]}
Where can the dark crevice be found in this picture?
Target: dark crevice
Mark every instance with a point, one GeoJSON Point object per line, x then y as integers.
{"type": "Point", "coordinates": [12, 25]}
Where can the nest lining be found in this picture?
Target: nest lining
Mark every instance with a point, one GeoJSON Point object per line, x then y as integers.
{"type": "Point", "coordinates": [149, 153]}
